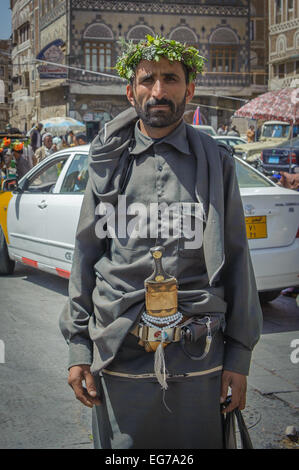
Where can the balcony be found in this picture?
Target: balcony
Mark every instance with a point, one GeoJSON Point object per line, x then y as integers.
{"type": "Point", "coordinates": [207, 80]}
{"type": "Point", "coordinates": [224, 80]}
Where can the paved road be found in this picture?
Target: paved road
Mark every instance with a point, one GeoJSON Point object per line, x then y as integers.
{"type": "Point", "coordinates": [37, 408]}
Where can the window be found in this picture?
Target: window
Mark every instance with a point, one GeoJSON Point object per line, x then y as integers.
{"type": "Point", "coordinates": [76, 178]}
{"type": "Point", "coordinates": [281, 71]}
{"type": "Point", "coordinates": [248, 178]}
{"type": "Point", "coordinates": [98, 56]}
{"type": "Point", "coordinates": [45, 180]}
{"type": "Point", "coordinates": [23, 33]}
{"type": "Point", "coordinates": [278, 17]}
{"type": "Point", "coordinates": [290, 10]}
{"type": "Point", "coordinates": [98, 47]}
{"type": "Point", "coordinates": [224, 58]}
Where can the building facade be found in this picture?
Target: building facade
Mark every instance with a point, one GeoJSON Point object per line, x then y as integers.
{"type": "Point", "coordinates": [5, 83]}
{"type": "Point", "coordinates": [83, 35]}
{"type": "Point", "coordinates": [22, 57]}
{"type": "Point", "coordinates": [283, 44]}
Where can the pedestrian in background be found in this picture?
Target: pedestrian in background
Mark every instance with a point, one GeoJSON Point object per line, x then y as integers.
{"type": "Point", "coordinates": [45, 150]}
{"type": "Point", "coordinates": [222, 130]}
{"type": "Point", "coordinates": [234, 132]}
{"type": "Point", "coordinates": [36, 137]}
{"type": "Point", "coordinates": [23, 157]}
{"type": "Point", "coordinates": [70, 139]}
{"type": "Point", "coordinates": [80, 139]}
{"type": "Point", "coordinates": [250, 134]}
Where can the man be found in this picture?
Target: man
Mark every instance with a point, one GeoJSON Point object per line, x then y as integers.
{"type": "Point", "coordinates": [46, 149]}
{"type": "Point", "coordinates": [149, 386]}
{"type": "Point", "coordinates": [80, 139]}
{"type": "Point", "coordinates": [36, 138]}
{"type": "Point", "coordinates": [222, 130]}
{"type": "Point", "coordinates": [234, 132]}
{"type": "Point", "coordinates": [70, 139]}
{"type": "Point", "coordinates": [23, 158]}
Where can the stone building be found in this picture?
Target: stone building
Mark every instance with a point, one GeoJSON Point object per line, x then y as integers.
{"type": "Point", "coordinates": [84, 35]}
{"type": "Point", "coordinates": [283, 43]}
{"type": "Point", "coordinates": [23, 90]}
{"type": "Point", "coordinates": [259, 50]}
{"type": "Point", "coordinates": [5, 82]}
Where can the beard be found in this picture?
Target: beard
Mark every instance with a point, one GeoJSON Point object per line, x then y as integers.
{"type": "Point", "coordinates": [160, 118]}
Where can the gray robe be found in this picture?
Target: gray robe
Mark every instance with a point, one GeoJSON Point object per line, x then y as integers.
{"type": "Point", "coordinates": [107, 298]}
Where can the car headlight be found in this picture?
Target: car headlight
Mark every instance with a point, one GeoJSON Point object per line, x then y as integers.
{"type": "Point", "coordinates": [244, 156]}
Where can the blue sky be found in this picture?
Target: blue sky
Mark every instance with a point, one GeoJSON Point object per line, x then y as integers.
{"type": "Point", "coordinates": [5, 19]}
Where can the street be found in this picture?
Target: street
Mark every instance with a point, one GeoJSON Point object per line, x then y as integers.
{"type": "Point", "coordinates": [38, 409]}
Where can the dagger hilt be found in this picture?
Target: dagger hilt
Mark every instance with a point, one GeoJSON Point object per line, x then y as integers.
{"type": "Point", "coordinates": [159, 273]}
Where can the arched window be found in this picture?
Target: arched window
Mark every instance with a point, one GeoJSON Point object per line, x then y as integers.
{"type": "Point", "coordinates": [223, 51]}
{"type": "Point", "coordinates": [139, 32]}
{"type": "Point", "coordinates": [185, 35]}
{"type": "Point", "coordinates": [98, 48]}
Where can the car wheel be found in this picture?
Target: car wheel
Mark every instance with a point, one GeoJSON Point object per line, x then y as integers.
{"type": "Point", "coordinates": [268, 296]}
{"type": "Point", "coordinates": [7, 265]}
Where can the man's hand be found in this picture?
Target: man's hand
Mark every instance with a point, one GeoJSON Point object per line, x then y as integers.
{"type": "Point", "coordinates": [77, 375]}
{"type": "Point", "coordinates": [238, 384]}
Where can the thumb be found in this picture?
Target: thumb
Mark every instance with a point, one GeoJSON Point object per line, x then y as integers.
{"type": "Point", "coordinates": [224, 388]}
{"type": "Point", "coordinates": [90, 384]}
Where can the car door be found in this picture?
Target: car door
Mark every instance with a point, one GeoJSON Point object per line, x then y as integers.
{"type": "Point", "coordinates": [28, 211]}
{"type": "Point", "coordinates": [64, 211]}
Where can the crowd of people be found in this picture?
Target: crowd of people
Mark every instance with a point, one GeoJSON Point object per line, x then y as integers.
{"type": "Point", "coordinates": [41, 144]}
{"type": "Point", "coordinates": [224, 130]}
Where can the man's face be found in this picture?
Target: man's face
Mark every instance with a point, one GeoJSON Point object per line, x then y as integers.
{"type": "Point", "coordinates": [48, 142]}
{"type": "Point", "coordinates": [159, 93]}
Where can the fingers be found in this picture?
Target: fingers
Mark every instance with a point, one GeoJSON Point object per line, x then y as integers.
{"type": "Point", "coordinates": [77, 375]}
{"type": "Point", "coordinates": [238, 384]}
{"type": "Point", "coordinates": [91, 387]}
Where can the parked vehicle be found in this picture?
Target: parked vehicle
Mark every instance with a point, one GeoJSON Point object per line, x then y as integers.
{"type": "Point", "coordinates": [272, 133]}
{"type": "Point", "coordinates": [38, 220]}
{"type": "Point", "coordinates": [207, 129]}
{"type": "Point", "coordinates": [230, 140]}
{"type": "Point", "coordinates": [282, 157]}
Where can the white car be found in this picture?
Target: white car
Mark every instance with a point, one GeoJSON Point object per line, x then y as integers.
{"type": "Point", "coordinates": [230, 140]}
{"type": "Point", "coordinates": [38, 220]}
{"type": "Point", "coordinates": [206, 129]}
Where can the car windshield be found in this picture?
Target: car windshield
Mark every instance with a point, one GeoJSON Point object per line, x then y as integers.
{"type": "Point", "coordinates": [248, 178]}
{"type": "Point", "coordinates": [232, 142]}
{"type": "Point", "coordinates": [276, 130]}
{"type": "Point", "coordinates": [294, 143]}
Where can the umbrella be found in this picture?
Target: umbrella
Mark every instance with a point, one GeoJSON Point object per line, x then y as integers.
{"type": "Point", "coordinates": [62, 125]}
{"type": "Point", "coordinates": [197, 118]}
{"type": "Point", "coordinates": [278, 105]}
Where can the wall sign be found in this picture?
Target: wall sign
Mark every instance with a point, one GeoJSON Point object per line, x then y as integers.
{"type": "Point", "coordinates": [52, 53]}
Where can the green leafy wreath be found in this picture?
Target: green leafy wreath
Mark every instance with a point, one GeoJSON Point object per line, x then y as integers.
{"type": "Point", "coordinates": [153, 48]}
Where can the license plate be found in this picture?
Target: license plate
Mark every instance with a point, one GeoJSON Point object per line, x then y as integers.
{"type": "Point", "coordinates": [273, 160]}
{"type": "Point", "coordinates": [256, 227]}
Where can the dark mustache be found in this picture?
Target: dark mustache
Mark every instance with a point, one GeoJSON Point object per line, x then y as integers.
{"type": "Point", "coordinates": [163, 101]}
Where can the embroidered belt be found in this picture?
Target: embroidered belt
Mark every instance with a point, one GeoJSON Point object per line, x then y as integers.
{"type": "Point", "coordinates": [148, 333]}
{"type": "Point", "coordinates": [169, 376]}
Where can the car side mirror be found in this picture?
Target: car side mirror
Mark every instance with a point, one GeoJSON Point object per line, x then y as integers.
{"type": "Point", "coordinates": [10, 184]}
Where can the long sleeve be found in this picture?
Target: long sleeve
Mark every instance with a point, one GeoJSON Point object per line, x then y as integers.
{"type": "Point", "coordinates": [76, 314]}
{"type": "Point", "coordinates": [244, 315]}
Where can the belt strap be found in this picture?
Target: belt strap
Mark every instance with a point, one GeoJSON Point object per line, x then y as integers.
{"type": "Point", "coordinates": [169, 376]}
{"type": "Point", "coordinates": [148, 333]}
